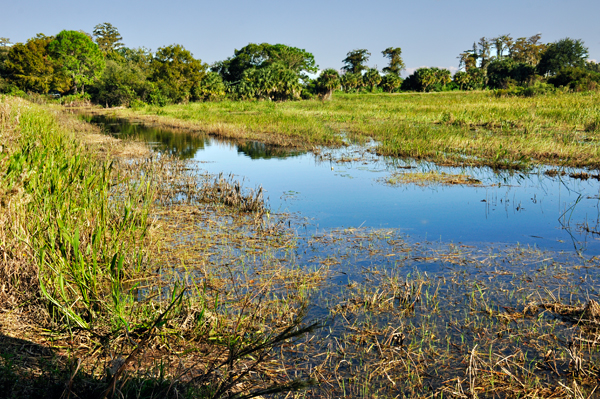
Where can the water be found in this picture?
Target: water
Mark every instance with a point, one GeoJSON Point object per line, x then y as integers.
{"type": "Point", "coordinates": [472, 249]}
{"type": "Point", "coordinates": [531, 209]}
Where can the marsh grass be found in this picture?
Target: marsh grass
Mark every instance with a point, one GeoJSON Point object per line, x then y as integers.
{"type": "Point", "coordinates": [428, 178]}
{"type": "Point", "coordinates": [81, 264]}
{"type": "Point", "coordinates": [469, 129]}
{"type": "Point", "coordinates": [187, 295]}
{"type": "Point", "coordinates": [445, 320]}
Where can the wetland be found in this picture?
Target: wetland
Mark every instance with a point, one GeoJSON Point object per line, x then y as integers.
{"type": "Point", "coordinates": [210, 263]}
{"type": "Point", "coordinates": [429, 280]}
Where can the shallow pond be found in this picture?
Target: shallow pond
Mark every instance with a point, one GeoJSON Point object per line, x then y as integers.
{"type": "Point", "coordinates": [348, 188]}
{"type": "Point", "coordinates": [415, 280]}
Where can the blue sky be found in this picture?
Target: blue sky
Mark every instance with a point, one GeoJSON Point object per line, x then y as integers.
{"type": "Point", "coordinates": [430, 32]}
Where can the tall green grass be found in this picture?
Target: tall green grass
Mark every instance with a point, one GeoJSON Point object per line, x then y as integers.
{"type": "Point", "coordinates": [464, 128]}
{"type": "Point", "coordinates": [75, 223]}
{"type": "Point", "coordinates": [78, 255]}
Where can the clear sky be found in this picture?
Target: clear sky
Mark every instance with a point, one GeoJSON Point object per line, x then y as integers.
{"type": "Point", "coordinates": [430, 32]}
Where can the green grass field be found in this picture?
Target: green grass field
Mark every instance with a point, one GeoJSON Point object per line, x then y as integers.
{"type": "Point", "coordinates": [457, 128]}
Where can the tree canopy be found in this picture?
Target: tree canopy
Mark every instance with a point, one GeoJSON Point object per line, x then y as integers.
{"type": "Point", "coordinates": [176, 72]}
{"type": "Point", "coordinates": [265, 55]}
{"type": "Point", "coordinates": [29, 65]}
{"type": "Point", "coordinates": [396, 65]}
{"type": "Point", "coordinates": [355, 61]}
{"type": "Point", "coordinates": [78, 56]}
{"type": "Point", "coordinates": [327, 82]}
{"type": "Point", "coordinates": [565, 53]}
{"type": "Point", "coordinates": [107, 37]}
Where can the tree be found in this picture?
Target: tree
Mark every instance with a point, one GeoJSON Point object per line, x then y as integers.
{"type": "Point", "coordinates": [120, 84]}
{"type": "Point", "coordinates": [372, 78]}
{"type": "Point", "coordinates": [427, 79]}
{"type": "Point", "coordinates": [396, 63]}
{"type": "Point", "coordinates": [271, 83]}
{"type": "Point", "coordinates": [355, 61]}
{"type": "Point", "coordinates": [292, 58]}
{"type": "Point", "coordinates": [592, 66]}
{"type": "Point", "coordinates": [483, 54]}
{"type": "Point", "coordinates": [468, 59]}
{"type": "Point", "coordinates": [576, 79]}
{"type": "Point", "coordinates": [527, 50]}
{"type": "Point", "coordinates": [4, 48]}
{"type": "Point", "coordinates": [176, 72]}
{"type": "Point", "coordinates": [351, 81]}
{"type": "Point", "coordinates": [30, 67]}
{"type": "Point", "coordinates": [265, 55]}
{"type": "Point", "coordinates": [210, 88]}
{"type": "Point", "coordinates": [501, 43]}
{"type": "Point", "coordinates": [79, 57]}
{"type": "Point", "coordinates": [562, 54]}
{"type": "Point", "coordinates": [327, 82]}
{"type": "Point", "coordinates": [461, 78]}
{"type": "Point", "coordinates": [107, 37]}
{"type": "Point", "coordinates": [390, 82]}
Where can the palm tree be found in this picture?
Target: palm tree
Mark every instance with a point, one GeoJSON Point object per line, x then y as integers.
{"type": "Point", "coordinates": [328, 82]}
{"type": "Point", "coordinates": [372, 78]}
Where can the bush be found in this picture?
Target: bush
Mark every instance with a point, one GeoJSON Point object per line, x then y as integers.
{"type": "Point", "coordinates": [531, 91]}
{"type": "Point", "coordinates": [576, 79]}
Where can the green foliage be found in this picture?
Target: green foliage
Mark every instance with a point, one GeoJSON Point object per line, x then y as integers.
{"type": "Point", "coordinates": [564, 53]}
{"type": "Point", "coordinates": [576, 79]}
{"type": "Point", "coordinates": [396, 63]}
{"type": "Point", "coordinates": [527, 50]}
{"type": "Point", "coordinates": [121, 84]}
{"type": "Point", "coordinates": [502, 73]}
{"type": "Point", "coordinates": [351, 82]}
{"type": "Point", "coordinates": [328, 82]}
{"type": "Point", "coordinates": [592, 66]}
{"type": "Point", "coordinates": [427, 79]}
{"type": "Point", "coordinates": [269, 83]}
{"type": "Point", "coordinates": [355, 61]}
{"type": "Point", "coordinates": [534, 90]}
{"type": "Point", "coordinates": [4, 48]}
{"type": "Point", "coordinates": [390, 82]}
{"type": "Point", "coordinates": [265, 55]}
{"type": "Point", "coordinates": [176, 72]}
{"type": "Point", "coordinates": [107, 37]}
{"type": "Point", "coordinates": [372, 78]}
{"type": "Point", "coordinates": [461, 78]}
{"type": "Point", "coordinates": [210, 88]}
{"type": "Point", "coordinates": [29, 67]}
{"type": "Point", "coordinates": [266, 71]}
{"type": "Point", "coordinates": [79, 57]}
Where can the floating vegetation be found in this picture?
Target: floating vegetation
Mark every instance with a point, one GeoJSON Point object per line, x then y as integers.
{"type": "Point", "coordinates": [230, 192]}
{"type": "Point", "coordinates": [428, 178]}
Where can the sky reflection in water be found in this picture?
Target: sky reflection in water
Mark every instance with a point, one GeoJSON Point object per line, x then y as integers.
{"type": "Point", "coordinates": [506, 209]}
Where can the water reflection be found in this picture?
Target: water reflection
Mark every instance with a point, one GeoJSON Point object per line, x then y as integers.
{"type": "Point", "coordinates": [183, 146]}
{"type": "Point", "coordinates": [258, 150]}
{"type": "Point", "coordinates": [342, 188]}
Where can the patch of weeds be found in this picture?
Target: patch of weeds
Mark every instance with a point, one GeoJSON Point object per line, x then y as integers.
{"type": "Point", "coordinates": [429, 178]}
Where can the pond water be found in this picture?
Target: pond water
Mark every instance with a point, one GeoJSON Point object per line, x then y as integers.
{"type": "Point", "coordinates": [435, 272]}
{"type": "Point", "coordinates": [346, 188]}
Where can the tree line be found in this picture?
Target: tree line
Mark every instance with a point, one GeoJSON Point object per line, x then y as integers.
{"type": "Point", "coordinates": [101, 68]}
